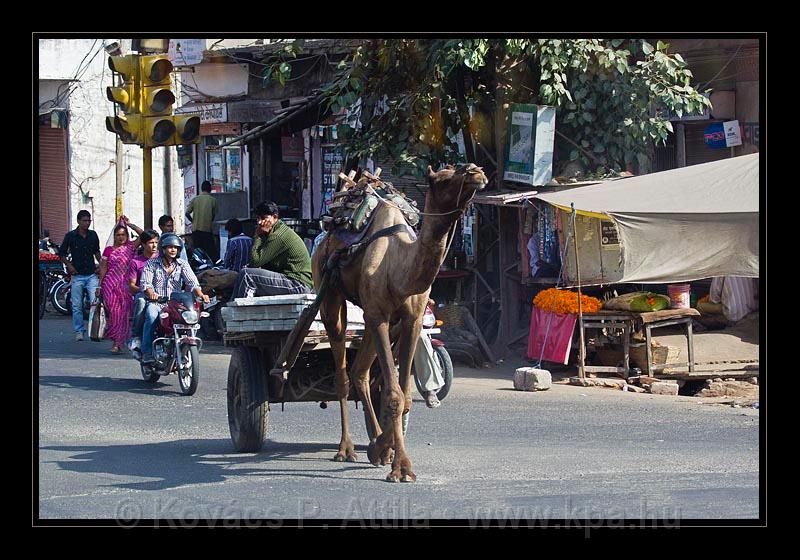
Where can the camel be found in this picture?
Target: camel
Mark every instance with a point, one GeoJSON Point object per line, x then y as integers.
{"type": "Point", "coordinates": [391, 280]}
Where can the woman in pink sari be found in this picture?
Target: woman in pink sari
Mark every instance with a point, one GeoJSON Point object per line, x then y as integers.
{"type": "Point", "coordinates": [114, 285]}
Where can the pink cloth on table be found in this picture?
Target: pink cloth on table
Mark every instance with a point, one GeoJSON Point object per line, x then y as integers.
{"type": "Point", "coordinates": [559, 337]}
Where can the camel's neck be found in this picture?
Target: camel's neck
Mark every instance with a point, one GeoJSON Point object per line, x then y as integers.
{"type": "Point", "coordinates": [428, 251]}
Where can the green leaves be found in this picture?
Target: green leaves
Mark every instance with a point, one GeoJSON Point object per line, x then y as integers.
{"type": "Point", "coordinates": [647, 48]}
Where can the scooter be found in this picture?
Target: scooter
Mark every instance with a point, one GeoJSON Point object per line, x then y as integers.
{"type": "Point", "coordinates": [436, 355]}
{"type": "Point", "coordinates": [176, 347]}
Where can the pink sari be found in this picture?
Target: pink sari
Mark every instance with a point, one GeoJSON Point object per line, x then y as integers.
{"type": "Point", "coordinates": [116, 296]}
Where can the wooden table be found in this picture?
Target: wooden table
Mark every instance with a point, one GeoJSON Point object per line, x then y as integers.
{"type": "Point", "coordinates": [628, 321]}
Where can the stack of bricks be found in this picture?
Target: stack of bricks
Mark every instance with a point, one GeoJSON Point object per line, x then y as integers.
{"type": "Point", "coordinates": [279, 313]}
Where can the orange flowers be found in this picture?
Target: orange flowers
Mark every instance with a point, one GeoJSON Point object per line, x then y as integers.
{"type": "Point", "coordinates": [565, 301]}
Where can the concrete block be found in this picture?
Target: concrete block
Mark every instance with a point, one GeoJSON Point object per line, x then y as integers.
{"type": "Point", "coordinates": [634, 389]}
{"type": "Point", "coordinates": [532, 379]}
{"type": "Point", "coordinates": [664, 388]}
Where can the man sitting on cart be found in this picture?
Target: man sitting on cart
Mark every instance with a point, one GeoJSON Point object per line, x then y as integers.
{"type": "Point", "coordinates": [279, 260]}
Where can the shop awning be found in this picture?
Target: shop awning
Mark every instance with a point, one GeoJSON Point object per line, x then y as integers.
{"type": "Point", "coordinates": [306, 114]}
{"type": "Point", "coordinates": [680, 225]}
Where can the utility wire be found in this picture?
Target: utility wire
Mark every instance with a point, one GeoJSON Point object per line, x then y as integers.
{"type": "Point", "coordinates": [722, 69]}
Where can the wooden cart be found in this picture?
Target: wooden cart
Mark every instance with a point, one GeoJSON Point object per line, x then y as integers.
{"type": "Point", "coordinates": [280, 354]}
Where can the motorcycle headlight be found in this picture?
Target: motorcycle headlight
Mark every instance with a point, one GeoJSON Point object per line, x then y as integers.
{"type": "Point", "coordinates": [190, 316]}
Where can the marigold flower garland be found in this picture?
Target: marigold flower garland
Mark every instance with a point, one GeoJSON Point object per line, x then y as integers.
{"type": "Point", "coordinates": [565, 301]}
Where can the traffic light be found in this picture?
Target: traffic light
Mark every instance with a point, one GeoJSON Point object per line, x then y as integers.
{"type": "Point", "coordinates": [127, 123]}
{"type": "Point", "coordinates": [127, 127]}
{"type": "Point", "coordinates": [187, 129]}
{"type": "Point", "coordinates": [157, 100]}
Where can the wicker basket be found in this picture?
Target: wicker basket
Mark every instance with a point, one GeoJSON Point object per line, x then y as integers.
{"type": "Point", "coordinates": [451, 314]}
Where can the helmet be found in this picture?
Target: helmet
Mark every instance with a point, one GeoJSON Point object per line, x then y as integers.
{"type": "Point", "coordinates": [169, 240]}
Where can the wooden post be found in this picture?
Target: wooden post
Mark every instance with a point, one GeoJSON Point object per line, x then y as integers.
{"type": "Point", "coordinates": [582, 349]}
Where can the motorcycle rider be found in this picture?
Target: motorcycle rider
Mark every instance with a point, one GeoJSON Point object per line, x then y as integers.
{"type": "Point", "coordinates": [161, 277]}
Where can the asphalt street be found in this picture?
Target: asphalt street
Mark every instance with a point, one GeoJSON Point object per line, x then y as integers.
{"type": "Point", "coordinates": [111, 446]}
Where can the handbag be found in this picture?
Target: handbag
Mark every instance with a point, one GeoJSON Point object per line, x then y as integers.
{"type": "Point", "coordinates": [98, 322]}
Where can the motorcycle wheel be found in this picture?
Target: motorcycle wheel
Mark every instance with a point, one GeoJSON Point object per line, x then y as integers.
{"type": "Point", "coordinates": [189, 375]}
{"type": "Point", "coordinates": [60, 297]}
{"type": "Point", "coordinates": [149, 373]}
{"type": "Point", "coordinates": [441, 356]}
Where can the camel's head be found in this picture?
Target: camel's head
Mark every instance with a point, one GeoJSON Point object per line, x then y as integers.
{"type": "Point", "coordinates": [452, 188]}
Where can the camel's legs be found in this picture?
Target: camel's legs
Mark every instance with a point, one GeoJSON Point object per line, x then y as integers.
{"type": "Point", "coordinates": [394, 403]}
{"type": "Point", "coordinates": [333, 312]}
{"type": "Point", "coordinates": [359, 375]}
{"type": "Point", "coordinates": [406, 345]}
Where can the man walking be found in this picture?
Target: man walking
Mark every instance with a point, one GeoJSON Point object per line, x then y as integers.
{"type": "Point", "coordinates": [200, 213]}
{"type": "Point", "coordinates": [83, 246]}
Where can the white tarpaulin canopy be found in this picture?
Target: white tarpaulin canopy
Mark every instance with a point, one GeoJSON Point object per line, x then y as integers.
{"type": "Point", "coordinates": [684, 224]}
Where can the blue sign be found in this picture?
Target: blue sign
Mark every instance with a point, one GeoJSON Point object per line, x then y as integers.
{"type": "Point", "coordinates": [714, 136]}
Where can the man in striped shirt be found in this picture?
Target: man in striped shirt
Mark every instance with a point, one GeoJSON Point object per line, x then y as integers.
{"type": "Point", "coordinates": [160, 277]}
{"type": "Point", "coordinates": [237, 251]}
{"type": "Point", "coordinates": [279, 259]}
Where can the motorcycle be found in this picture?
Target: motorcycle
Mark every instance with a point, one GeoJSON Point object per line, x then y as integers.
{"type": "Point", "coordinates": [176, 347]}
{"type": "Point", "coordinates": [436, 355]}
{"type": "Point", "coordinates": [199, 260]}
{"type": "Point", "coordinates": [212, 326]}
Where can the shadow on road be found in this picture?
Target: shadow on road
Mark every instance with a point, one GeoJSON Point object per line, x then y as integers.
{"type": "Point", "coordinates": [113, 384]}
{"type": "Point", "coordinates": [190, 462]}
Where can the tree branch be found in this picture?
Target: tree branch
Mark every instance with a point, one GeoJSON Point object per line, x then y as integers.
{"type": "Point", "coordinates": [587, 154]}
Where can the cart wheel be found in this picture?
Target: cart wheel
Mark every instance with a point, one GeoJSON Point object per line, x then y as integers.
{"type": "Point", "coordinates": [248, 413]}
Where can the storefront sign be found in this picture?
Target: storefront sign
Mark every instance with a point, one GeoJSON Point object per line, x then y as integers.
{"type": "Point", "coordinates": [209, 112]}
{"type": "Point", "coordinates": [292, 148]}
{"type": "Point", "coordinates": [185, 155]}
{"type": "Point", "coordinates": [332, 165]}
{"type": "Point", "coordinates": [723, 135]}
{"type": "Point", "coordinates": [186, 52]}
{"type": "Point", "coordinates": [608, 233]}
{"type": "Point", "coordinates": [529, 155]}
{"type": "Point", "coordinates": [733, 134]}
{"type": "Point", "coordinates": [252, 111]}
{"type": "Point", "coordinates": [714, 136]}
{"type": "Point", "coordinates": [751, 133]}
{"type": "Point", "coordinates": [221, 129]}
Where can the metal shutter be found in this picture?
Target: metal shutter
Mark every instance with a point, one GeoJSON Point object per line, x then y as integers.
{"type": "Point", "coordinates": [696, 149]}
{"type": "Point", "coordinates": [53, 182]}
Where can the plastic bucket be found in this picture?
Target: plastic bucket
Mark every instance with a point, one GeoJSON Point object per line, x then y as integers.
{"type": "Point", "coordinates": [679, 296]}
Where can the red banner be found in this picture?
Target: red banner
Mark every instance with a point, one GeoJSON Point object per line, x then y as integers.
{"type": "Point", "coordinates": [558, 336]}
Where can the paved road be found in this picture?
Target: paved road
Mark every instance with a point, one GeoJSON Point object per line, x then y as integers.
{"type": "Point", "coordinates": [112, 447]}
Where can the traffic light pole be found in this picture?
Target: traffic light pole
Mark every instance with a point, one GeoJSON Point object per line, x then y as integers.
{"type": "Point", "coordinates": [147, 153]}
{"type": "Point", "coordinates": [120, 171]}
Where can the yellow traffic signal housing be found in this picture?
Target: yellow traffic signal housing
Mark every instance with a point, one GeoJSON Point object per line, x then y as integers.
{"type": "Point", "coordinates": [157, 97]}
{"type": "Point", "coordinates": [124, 96]}
{"type": "Point", "coordinates": [128, 66]}
{"type": "Point", "coordinates": [128, 128]}
{"type": "Point", "coordinates": [187, 129]}
{"type": "Point", "coordinates": [158, 131]}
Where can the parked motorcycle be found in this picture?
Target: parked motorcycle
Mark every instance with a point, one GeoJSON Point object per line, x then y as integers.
{"type": "Point", "coordinates": [213, 326]}
{"type": "Point", "coordinates": [437, 354]}
{"type": "Point", "coordinates": [176, 347]}
{"type": "Point", "coordinates": [199, 260]}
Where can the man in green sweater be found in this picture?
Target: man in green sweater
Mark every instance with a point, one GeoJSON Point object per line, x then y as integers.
{"type": "Point", "coordinates": [279, 261]}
